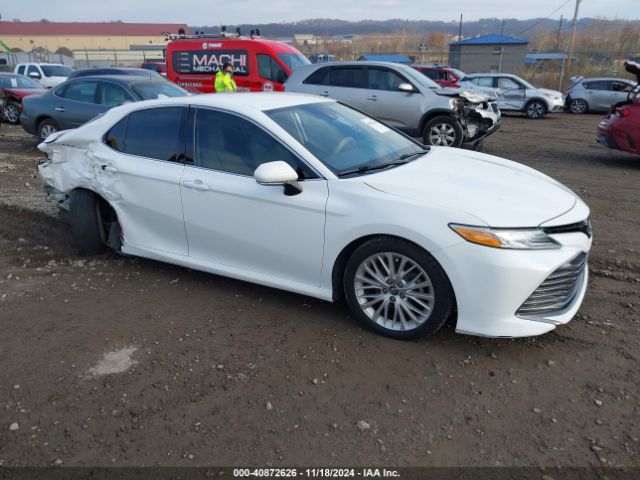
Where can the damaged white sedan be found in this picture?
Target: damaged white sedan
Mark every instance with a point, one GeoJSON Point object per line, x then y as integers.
{"type": "Point", "coordinates": [305, 194]}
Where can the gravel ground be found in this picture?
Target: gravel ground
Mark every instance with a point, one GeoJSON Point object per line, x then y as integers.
{"type": "Point", "coordinates": [123, 361]}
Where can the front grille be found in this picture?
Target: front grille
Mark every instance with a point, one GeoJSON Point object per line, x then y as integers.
{"type": "Point", "coordinates": [557, 291]}
{"type": "Point", "coordinates": [580, 227]}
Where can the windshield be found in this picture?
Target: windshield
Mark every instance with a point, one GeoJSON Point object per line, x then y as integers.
{"type": "Point", "coordinates": [56, 70]}
{"type": "Point", "coordinates": [153, 90]}
{"type": "Point", "coordinates": [417, 77]}
{"type": "Point", "coordinates": [458, 73]}
{"type": "Point", "coordinates": [293, 60]}
{"type": "Point", "coordinates": [343, 138]}
{"type": "Point", "coordinates": [18, 81]}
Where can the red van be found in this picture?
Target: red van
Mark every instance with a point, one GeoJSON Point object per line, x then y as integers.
{"type": "Point", "coordinates": [258, 64]}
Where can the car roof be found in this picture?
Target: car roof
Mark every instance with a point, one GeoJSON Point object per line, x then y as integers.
{"type": "Point", "coordinates": [117, 78]}
{"type": "Point", "coordinates": [494, 74]}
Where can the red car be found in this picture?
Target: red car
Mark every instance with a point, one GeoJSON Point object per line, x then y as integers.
{"type": "Point", "coordinates": [158, 66]}
{"type": "Point", "coordinates": [443, 76]}
{"type": "Point", "coordinates": [620, 128]}
{"type": "Point", "coordinates": [13, 88]}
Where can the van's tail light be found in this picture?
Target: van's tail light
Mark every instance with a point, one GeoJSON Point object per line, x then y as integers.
{"type": "Point", "coordinates": [624, 112]}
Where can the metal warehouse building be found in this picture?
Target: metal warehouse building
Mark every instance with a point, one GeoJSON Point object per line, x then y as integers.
{"type": "Point", "coordinates": [489, 53]}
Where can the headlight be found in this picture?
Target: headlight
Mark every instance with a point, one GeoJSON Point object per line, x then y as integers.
{"type": "Point", "coordinates": [514, 239]}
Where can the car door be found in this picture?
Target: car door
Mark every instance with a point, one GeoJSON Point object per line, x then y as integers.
{"type": "Point", "coordinates": [620, 91]}
{"type": "Point", "coordinates": [33, 71]}
{"type": "Point", "coordinates": [599, 94]}
{"type": "Point", "coordinates": [344, 83]}
{"type": "Point", "coordinates": [233, 221]}
{"type": "Point", "coordinates": [512, 96]}
{"type": "Point", "coordinates": [387, 103]}
{"type": "Point", "coordinates": [139, 166]}
{"type": "Point", "coordinates": [75, 103]}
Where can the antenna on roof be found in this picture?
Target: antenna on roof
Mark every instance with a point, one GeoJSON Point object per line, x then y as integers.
{"type": "Point", "coordinates": [238, 31]}
{"type": "Point", "coordinates": [223, 29]}
{"type": "Point", "coordinates": [181, 31]}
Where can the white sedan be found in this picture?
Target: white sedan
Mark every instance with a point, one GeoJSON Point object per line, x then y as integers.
{"type": "Point", "coordinates": [305, 194]}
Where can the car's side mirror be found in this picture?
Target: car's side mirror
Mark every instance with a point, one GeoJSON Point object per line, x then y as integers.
{"type": "Point", "coordinates": [278, 173]}
{"type": "Point", "coordinates": [406, 87]}
{"type": "Point", "coordinates": [34, 75]}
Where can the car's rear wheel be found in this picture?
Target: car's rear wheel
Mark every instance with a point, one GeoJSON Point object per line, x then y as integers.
{"type": "Point", "coordinates": [90, 221]}
{"type": "Point", "coordinates": [443, 131]}
{"type": "Point", "coordinates": [12, 113]}
{"type": "Point", "coordinates": [46, 127]}
{"type": "Point", "coordinates": [535, 109]}
{"type": "Point", "coordinates": [397, 288]}
{"type": "Point", "coordinates": [578, 105]}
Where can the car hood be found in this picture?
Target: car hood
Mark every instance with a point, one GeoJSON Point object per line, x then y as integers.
{"type": "Point", "coordinates": [499, 192]}
{"type": "Point", "coordinates": [23, 92]}
{"type": "Point", "coordinates": [473, 95]}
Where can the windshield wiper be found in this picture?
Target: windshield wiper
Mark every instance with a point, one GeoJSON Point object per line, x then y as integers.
{"type": "Point", "coordinates": [368, 168]}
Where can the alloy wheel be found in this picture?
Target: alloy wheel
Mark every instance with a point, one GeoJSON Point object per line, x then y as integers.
{"type": "Point", "coordinates": [11, 113]}
{"type": "Point", "coordinates": [47, 130]}
{"type": "Point", "coordinates": [442, 134]}
{"type": "Point", "coordinates": [535, 110]}
{"type": "Point", "coordinates": [578, 106]}
{"type": "Point", "coordinates": [394, 291]}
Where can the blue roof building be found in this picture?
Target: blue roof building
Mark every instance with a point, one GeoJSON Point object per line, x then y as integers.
{"type": "Point", "coordinates": [375, 57]}
{"type": "Point", "coordinates": [489, 53]}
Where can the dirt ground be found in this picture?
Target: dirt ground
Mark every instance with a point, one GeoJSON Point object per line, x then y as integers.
{"type": "Point", "coordinates": [222, 372]}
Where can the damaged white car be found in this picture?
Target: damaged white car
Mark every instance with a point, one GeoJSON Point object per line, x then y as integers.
{"type": "Point", "coordinates": [305, 194]}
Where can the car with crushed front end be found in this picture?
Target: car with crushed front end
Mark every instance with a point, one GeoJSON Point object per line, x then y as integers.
{"type": "Point", "coordinates": [305, 194]}
{"type": "Point", "coordinates": [403, 98]}
{"type": "Point", "coordinates": [515, 94]}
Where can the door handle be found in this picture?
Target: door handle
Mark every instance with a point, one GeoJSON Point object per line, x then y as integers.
{"type": "Point", "coordinates": [197, 185]}
{"type": "Point", "coordinates": [109, 168]}
{"type": "Point", "coordinates": [59, 109]}
{"type": "Point", "coordinates": [324, 94]}
{"type": "Point", "coordinates": [373, 98]}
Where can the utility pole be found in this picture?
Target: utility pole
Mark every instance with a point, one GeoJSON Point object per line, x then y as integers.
{"type": "Point", "coordinates": [502, 28]}
{"type": "Point", "coordinates": [573, 40]}
{"type": "Point", "coordinates": [559, 33]}
{"type": "Point", "coordinates": [460, 29]}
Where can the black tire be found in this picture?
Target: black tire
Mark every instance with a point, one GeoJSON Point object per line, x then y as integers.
{"type": "Point", "coordinates": [535, 109]}
{"type": "Point", "coordinates": [578, 106]}
{"type": "Point", "coordinates": [86, 216]}
{"type": "Point", "coordinates": [440, 288]}
{"type": "Point", "coordinates": [46, 127]}
{"type": "Point", "coordinates": [12, 113]}
{"type": "Point", "coordinates": [434, 129]}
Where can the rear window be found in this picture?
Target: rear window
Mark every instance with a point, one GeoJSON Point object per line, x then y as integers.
{"type": "Point", "coordinates": [319, 77]}
{"type": "Point", "coordinates": [56, 70]}
{"type": "Point", "coordinates": [156, 133]}
{"type": "Point", "coordinates": [153, 90]}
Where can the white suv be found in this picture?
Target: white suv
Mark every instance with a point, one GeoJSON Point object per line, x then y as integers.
{"type": "Point", "coordinates": [48, 74]}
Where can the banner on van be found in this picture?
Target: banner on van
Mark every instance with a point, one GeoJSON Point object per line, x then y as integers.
{"type": "Point", "coordinates": [208, 62]}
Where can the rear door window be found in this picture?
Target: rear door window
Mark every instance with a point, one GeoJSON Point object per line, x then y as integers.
{"type": "Point", "coordinates": [319, 77]}
{"type": "Point", "coordinates": [483, 81]}
{"type": "Point", "coordinates": [598, 85]}
{"type": "Point", "coordinates": [352, 77]}
{"type": "Point", "coordinates": [156, 133]}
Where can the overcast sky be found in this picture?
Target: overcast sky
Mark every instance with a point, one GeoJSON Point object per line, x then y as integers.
{"type": "Point", "coordinates": [212, 12]}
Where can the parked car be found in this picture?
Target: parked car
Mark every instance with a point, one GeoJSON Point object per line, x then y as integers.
{"type": "Point", "coordinates": [155, 66]}
{"type": "Point", "coordinates": [79, 100]}
{"type": "Point", "coordinates": [13, 88]}
{"type": "Point", "coordinates": [48, 74]}
{"type": "Point", "coordinates": [516, 94]}
{"type": "Point", "coordinates": [258, 65]}
{"type": "Point", "coordinates": [309, 195]}
{"type": "Point", "coordinates": [442, 75]}
{"type": "Point", "coordinates": [620, 129]}
{"type": "Point", "coordinates": [597, 94]}
{"type": "Point", "coordinates": [402, 98]}
{"type": "Point", "coordinates": [138, 72]}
